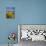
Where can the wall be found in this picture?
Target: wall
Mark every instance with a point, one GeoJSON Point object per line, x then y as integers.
{"type": "Point", "coordinates": [31, 11]}
{"type": "Point", "coordinates": [27, 12]}
{"type": "Point", "coordinates": [6, 25]}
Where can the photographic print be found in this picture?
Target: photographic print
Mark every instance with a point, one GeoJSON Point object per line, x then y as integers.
{"type": "Point", "coordinates": [10, 12]}
{"type": "Point", "coordinates": [31, 33]}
